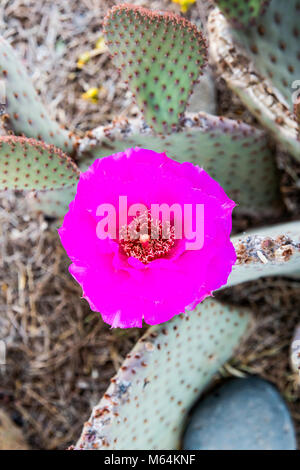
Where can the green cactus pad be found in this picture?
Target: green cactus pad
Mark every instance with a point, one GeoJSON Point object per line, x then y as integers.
{"type": "Point", "coordinates": [29, 164]}
{"type": "Point", "coordinates": [160, 56]}
{"type": "Point", "coordinates": [27, 114]}
{"type": "Point", "coordinates": [273, 45]}
{"type": "Point", "coordinates": [242, 13]}
{"type": "Point", "coordinates": [269, 99]}
{"type": "Point", "coordinates": [55, 203]}
{"type": "Point", "coordinates": [51, 203]}
{"type": "Point", "coordinates": [268, 251]}
{"type": "Point", "coordinates": [149, 398]}
{"type": "Point", "coordinates": [235, 154]}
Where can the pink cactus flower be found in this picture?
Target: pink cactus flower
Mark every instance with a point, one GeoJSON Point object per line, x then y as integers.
{"type": "Point", "coordinates": [133, 265]}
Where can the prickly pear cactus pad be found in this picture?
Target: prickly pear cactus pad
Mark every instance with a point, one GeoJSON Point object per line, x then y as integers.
{"type": "Point", "coordinates": [266, 91]}
{"type": "Point", "coordinates": [236, 155]}
{"type": "Point", "coordinates": [54, 203]}
{"type": "Point", "coordinates": [273, 45]}
{"type": "Point", "coordinates": [29, 164]}
{"type": "Point", "coordinates": [243, 13]}
{"type": "Point", "coordinates": [269, 251]}
{"type": "Point", "coordinates": [27, 114]}
{"type": "Point", "coordinates": [149, 398]}
{"type": "Point", "coordinates": [160, 55]}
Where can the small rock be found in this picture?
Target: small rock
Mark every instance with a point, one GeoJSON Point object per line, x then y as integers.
{"type": "Point", "coordinates": [244, 414]}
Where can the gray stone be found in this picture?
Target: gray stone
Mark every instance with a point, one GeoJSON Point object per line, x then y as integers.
{"type": "Point", "coordinates": [244, 414]}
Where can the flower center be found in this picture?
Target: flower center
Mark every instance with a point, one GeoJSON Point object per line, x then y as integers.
{"type": "Point", "coordinates": [146, 239]}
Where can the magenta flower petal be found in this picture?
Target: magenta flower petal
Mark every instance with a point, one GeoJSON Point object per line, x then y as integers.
{"type": "Point", "coordinates": [128, 281]}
